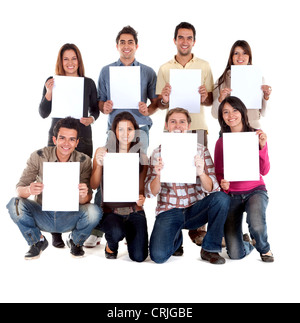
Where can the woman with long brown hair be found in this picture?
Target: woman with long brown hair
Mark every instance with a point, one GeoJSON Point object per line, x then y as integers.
{"type": "Point", "coordinates": [69, 63]}
{"type": "Point", "coordinates": [240, 54]}
{"type": "Point", "coordinates": [246, 196]}
{"type": "Point", "coordinates": [123, 219]}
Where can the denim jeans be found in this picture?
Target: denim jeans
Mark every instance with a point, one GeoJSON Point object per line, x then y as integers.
{"type": "Point", "coordinates": [166, 236]}
{"type": "Point", "coordinates": [31, 220]}
{"type": "Point", "coordinates": [255, 205]}
{"type": "Point", "coordinates": [133, 227]}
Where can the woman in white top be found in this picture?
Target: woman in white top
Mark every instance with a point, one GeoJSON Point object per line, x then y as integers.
{"type": "Point", "coordinates": [240, 54]}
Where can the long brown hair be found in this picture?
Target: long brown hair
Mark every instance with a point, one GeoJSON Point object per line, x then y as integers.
{"type": "Point", "coordinates": [125, 116]}
{"type": "Point", "coordinates": [59, 70]}
{"type": "Point", "coordinates": [136, 144]}
{"type": "Point", "coordinates": [246, 47]}
{"type": "Point", "coordinates": [237, 104]}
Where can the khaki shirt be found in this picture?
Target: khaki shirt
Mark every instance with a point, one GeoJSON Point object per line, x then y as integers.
{"type": "Point", "coordinates": [163, 77]}
{"type": "Point", "coordinates": [34, 169]}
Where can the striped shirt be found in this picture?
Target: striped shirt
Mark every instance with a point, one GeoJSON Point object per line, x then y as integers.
{"type": "Point", "coordinates": [180, 195]}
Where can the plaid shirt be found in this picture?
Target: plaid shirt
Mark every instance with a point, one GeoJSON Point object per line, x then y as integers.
{"type": "Point", "coordinates": [180, 195]}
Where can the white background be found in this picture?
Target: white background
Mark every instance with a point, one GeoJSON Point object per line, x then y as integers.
{"type": "Point", "coordinates": [32, 33]}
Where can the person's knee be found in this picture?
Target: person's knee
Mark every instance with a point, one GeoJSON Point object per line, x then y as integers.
{"type": "Point", "coordinates": [14, 209]}
{"type": "Point", "coordinates": [158, 255]}
{"type": "Point", "coordinates": [93, 213]}
{"type": "Point", "coordinates": [222, 198]}
{"type": "Point", "coordinates": [138, 256]}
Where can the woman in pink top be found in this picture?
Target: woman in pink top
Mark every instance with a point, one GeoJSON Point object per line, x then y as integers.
{"type": "Point", "coordinates": [247, 196]}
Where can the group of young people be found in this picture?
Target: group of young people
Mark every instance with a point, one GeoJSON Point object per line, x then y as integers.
{"type": "Point", "coordinates": [212, 201]}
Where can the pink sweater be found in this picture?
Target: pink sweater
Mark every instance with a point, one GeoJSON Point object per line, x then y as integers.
{"type": "Point", "coordinates": [236, 187]}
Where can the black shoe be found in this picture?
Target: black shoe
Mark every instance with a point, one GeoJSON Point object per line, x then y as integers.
{"type": "Point", "coordinates": [178, 252]}
{"type": "Point", "coordinates": [110, 255]}
{"type": "Point", "coordinates": [76, 250]}
{"type": "Point", "coordinates": [36, 250]}
{"type": "Point", "coordinates": [57, 240]}
{"type": "Point", "coordinates": [212, 257]}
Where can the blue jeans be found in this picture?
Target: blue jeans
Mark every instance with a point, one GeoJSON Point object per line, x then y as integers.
{"type": "Point", "coordinates": [255, 205]}
{"type": "Point", "coordinates": [166, 236]}
{"type": "Point", "coordinates": [31, 220]}
{"type": "Point", "coordinates": [133, 227]}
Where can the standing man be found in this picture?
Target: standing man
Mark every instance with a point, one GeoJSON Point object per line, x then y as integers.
{"type": "Point", "coordinates": [186, 206]}
{"type": "Point", "coordinates": [127, 45]}
{"type": "Point", "coordinates": [184, 39]}
{"type": "Point", "coordinates": [28, 214]}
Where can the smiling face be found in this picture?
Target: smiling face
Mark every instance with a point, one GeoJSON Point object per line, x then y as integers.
{"type": "Point", "coordinates": [127, 48]}
{"type": "Point", "coordinates": [70, 63]}
{"type": "Point", "coordinates": [66, 142]}
{"type": "Point", "coordinates": [184, 41]}
{"type": "Point", "coordinates": [177, 123]}
{"type": "Point", "coordinates": [125, 133]}
{"type": "Point", "coordinates": [240, 57]}
{"type": "Point", "coordinates": [232, 117]}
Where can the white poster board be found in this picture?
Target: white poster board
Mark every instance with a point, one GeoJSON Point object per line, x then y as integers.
{"type": "Point", "coordinates": [246, 82]}
{"type": "Point", "coordinates": [241, 156]}
{"type": "Point", "coordinates": [67, 97]}
{"type": "Point", "coordinates": [185, 89]}
{"type": "Point", "coordinates": [125, 86]}
{"type": "Point", "coordinates": [61, 181]}
{"type": "Point", "coordinates": [121, 177]}
{"type": "Point", "coordinates": [178, 151]}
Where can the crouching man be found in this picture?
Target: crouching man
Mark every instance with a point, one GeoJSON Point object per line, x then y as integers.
{"type": "Point", "coordinates": [28, 214]}
{"type": "Point", "coordinates": [186, 206]}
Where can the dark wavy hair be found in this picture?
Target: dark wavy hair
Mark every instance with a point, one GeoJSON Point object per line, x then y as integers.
{"type": "Point", "coordinates": [185, 25]}
{"type": "Point", "coordinates": [127, 30]}
{"type": "Point", "coordinates": [69, 123]}
{"type": "Point", "coordinates": [237, 104]}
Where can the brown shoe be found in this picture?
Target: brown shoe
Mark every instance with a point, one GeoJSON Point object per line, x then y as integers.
{"type": "Point", "coordinates": [197, 236]}
{"type": "Point", "coordinates": [212, 257]}
{"type": "Point", "coordinates": [267, 258]}
{"type": "Point", "coordinates": [178, 252]}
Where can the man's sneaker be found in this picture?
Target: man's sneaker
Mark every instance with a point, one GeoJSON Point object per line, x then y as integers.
{"type": "Point", "coordinates": [36, 250]}
{"type": "Point", "coordinates": [92, 241]}
{"type": "Point", "coordinates": [76, 250]}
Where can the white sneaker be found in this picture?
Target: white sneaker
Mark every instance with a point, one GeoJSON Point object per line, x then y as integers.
{"type": "Point", "coordinates": [92, 241]}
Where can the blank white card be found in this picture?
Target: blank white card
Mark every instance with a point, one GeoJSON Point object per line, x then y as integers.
{"type": "Point", "coordinates": [67, 97]}
{"type": "Point", "coordinates": [241, 156]}
{"type": "Point", "coordinates": [61, 192]}
{"type": "Point", "coordinates": [125, 86]}
{"type": "Point", "coordinates": [121, 177]}
{"type": "Point", "coordinates": [246, 82]}
{"type": "Point", "coordinates": [178, 151]}
{"type": "Point", "coordinates": [185, 89]}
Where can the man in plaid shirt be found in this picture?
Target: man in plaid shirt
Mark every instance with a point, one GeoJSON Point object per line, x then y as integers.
{"type": "Point", "coordinates": [186, 206]}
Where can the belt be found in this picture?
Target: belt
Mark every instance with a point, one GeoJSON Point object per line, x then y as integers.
{"type": "Point", "coordinates": [123, 210]}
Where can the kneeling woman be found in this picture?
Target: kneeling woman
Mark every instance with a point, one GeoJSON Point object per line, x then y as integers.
{"type": "Point", "coordinates": [246, 196]}
{"type": "Point", "coordinates": [123, 220]}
